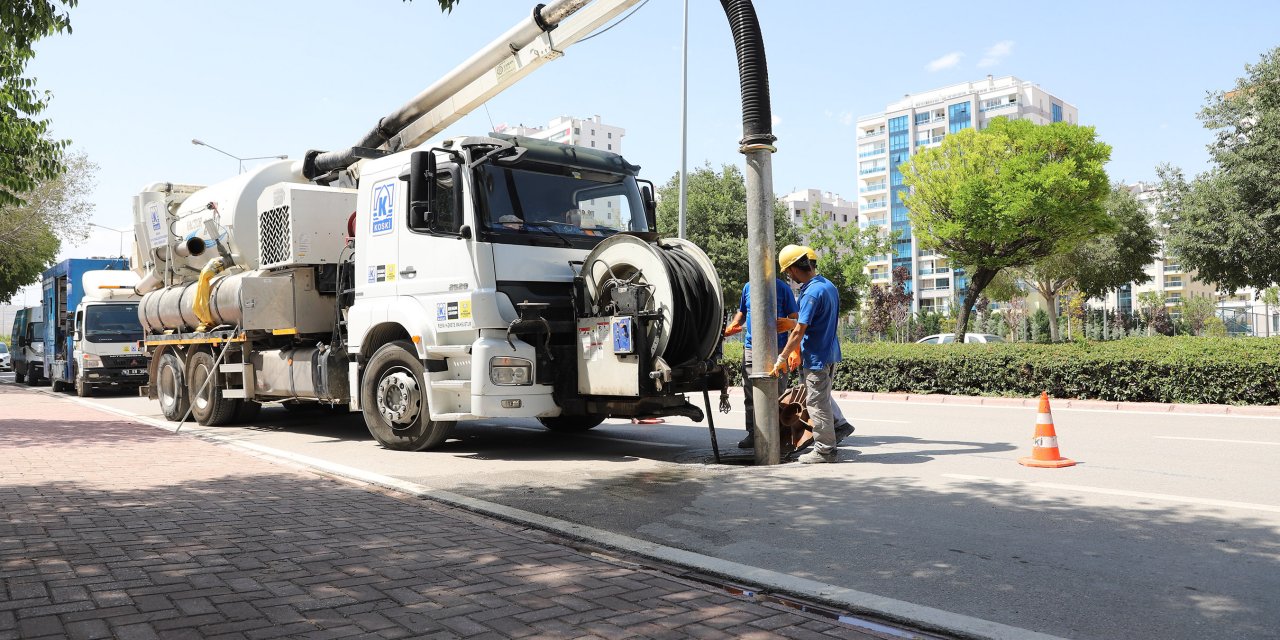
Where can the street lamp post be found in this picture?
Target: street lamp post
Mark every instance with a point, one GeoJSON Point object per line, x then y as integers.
{"type": "Point", "coordinates": [119, 231]}
{"type": "Point", "coordinates": [238, 159]}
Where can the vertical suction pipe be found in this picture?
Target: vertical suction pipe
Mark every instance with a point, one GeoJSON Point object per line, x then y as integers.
{"type": "Point", "coordinates": [757, 145]}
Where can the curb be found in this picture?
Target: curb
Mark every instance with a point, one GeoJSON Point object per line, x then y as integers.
{"type": "Point", "coordinates": [1255, 411]}
{"type": "Point", "coordinates": [920, 617]}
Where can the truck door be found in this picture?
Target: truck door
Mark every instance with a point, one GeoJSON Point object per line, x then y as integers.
{"type": "Point", "coordinates": [435, 263]}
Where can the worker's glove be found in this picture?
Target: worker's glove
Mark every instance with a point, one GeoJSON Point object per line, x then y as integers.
{"type": "Point", "coordinates": [779, 367]}
{"type": "Point", "coordinates": [793, 361]}
{"type": "Point", "coordinates": [732, 329]}
{"type": "Point", "coordinates": [786, 324]}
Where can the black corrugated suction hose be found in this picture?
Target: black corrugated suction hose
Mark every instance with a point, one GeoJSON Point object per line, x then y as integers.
{"type": "Point", "coordinates": [753, 73]}
{"type": "Point", "coordinates": [694, 307]}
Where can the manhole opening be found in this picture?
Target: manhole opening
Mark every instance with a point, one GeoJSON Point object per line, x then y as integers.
{"type": "Point", "coordinates": [735, 459]}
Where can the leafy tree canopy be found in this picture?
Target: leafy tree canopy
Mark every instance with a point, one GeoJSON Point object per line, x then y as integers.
{"type": "Point", "coordinates": [843, 251]}
{"type": "Point", "coordinates": [1007, 196]}
{"type": "Point", "coordinates": [1225, 223]}
{"type": "Point", "coordinates": [28, 156]}
{"type": "Point", "coordinates": [57, 209]}
{"type": "Point", "coordinates": [716, 221]}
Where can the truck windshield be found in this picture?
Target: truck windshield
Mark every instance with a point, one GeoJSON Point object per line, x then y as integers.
{"type": "Point", "coordinates": [4, 348]}
{"type": "Point", "coordinates": [112, 323]}
{"type": "Point", "coordinates": [556, 205]}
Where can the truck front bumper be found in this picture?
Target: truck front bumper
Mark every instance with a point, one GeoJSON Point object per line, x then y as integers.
{"type": "Point", "coordinates": [115, 377]}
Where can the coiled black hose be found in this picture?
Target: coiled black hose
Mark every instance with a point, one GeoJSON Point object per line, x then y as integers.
{"type": "Point", "coordinates": [693, 307]}
{"type": "Point", "coordinates": [753, 73]}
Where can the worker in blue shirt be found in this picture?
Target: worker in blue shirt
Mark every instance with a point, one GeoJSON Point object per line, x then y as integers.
{"type": "Point", "coordinates": [787, 311]}
{"type": "Point", "coordinates": [816, 339]}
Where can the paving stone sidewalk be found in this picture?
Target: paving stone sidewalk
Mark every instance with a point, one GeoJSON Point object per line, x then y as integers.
{"type": "Point", "coordinates": [113, 529]}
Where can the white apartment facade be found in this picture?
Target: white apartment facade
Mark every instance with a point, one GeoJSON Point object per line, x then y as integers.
{"type": "Point", "coordinates": [919, 121]}
{"type": "Point", "coordinates": [838, 211]}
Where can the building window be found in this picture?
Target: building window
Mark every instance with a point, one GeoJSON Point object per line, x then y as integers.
{"type": "Point", "coordinates": [922, 118]}
{"type": "Point", "coordinates": [898, 124]}
{"type": "Point", "coordinates": [959, 116]}
{"type": "Point", "coordinates": [577, 131]}
{"type": "Point", "coordinates": [611, 146]}
{"type": "Point", "coordinates": [844, 217]}
{"type": "Point", "coordinates": [610, 135]}
{"type": "Point", "coordinates": [593, 132]}
{"type": "Point", "coordinates": [593, 143]}
{"type": "Point", "coordinates": [1057, 112]}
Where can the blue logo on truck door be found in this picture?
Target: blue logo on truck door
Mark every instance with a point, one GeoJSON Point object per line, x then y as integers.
{"type": "Point", "coordinates": [382, 212]}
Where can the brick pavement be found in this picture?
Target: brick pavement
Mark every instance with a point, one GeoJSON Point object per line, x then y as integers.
{"type": "Point", "coordinates": [114, 529]}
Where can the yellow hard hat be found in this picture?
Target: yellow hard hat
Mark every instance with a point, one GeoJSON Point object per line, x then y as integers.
{"type": "Point", "coordinates": [792, 252]}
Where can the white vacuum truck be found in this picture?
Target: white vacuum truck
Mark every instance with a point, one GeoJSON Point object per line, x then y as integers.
{"type": "Point", "coordinates": [486, 277]}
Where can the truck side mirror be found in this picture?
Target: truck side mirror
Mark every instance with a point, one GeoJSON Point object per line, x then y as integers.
{"type": "Point", "coordinates": [76, 336]}
{"type": "Point", "coordinates": [650, 206]}
{"type": "Point", "coordinates": [422, 188]}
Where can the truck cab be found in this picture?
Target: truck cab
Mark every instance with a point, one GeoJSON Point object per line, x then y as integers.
{"type": "Point", "coordinates": [28, 345]}
{"type": "Point", "coordinates": [106, 346]}
{"type": "Point", "coordinates": [71, 358]}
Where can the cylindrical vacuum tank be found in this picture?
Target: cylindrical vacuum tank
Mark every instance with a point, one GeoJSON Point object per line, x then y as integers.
{"type": "Point", "coordinates": [173, 308]}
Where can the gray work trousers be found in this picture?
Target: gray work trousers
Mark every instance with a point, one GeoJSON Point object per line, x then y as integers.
{"type": "Point", "coordinates": [749, 404]}
{"type": "Point", "coordinates": [818, 401]}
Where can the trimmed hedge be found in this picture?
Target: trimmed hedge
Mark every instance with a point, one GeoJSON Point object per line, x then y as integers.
{"type": "Point", "coordinates": [1160, 369]}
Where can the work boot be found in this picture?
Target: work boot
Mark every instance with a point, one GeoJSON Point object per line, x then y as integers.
{"type": "Point", "coordinates": [843, 430]}
{"type": "Point", "coordinates": [813, 457]}
{"type": "Point", "coordinates": [748, 442]}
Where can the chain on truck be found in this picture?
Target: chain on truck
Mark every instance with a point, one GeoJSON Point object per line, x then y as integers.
{"type": "Point", "coordinates": [482, 277]}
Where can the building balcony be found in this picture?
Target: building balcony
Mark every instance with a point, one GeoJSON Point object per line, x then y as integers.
{"type": "Point", "coordinates": [872, 134]}
{"type": "Point", "coordinates": [930, 272]}
{"type": "Point", "coordinates": [863, 172]}
{"type": "Point", "coordinates": [874, 204]}
{"type": "Point", "coordinates": [873, 152]}
{"type": "Point", "coordinates": [874, 188]}
{"type": "Point", "coordinates": [998, 107]}
{"type": "Point", "coordinates": [924, 141]}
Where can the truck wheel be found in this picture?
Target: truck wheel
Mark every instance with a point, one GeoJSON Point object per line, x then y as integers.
{"type": "Point", "coordinates": [83, 389]}
{"type": "Point", "coordinates": [394, 400]}
{"type": "Point", "coordinates": [571, 424]}
{"type": "Point", "coordinates": [209, 408]}
{"type": "Point", "coordinates": [33, 378]}
{"type": "Point", "coordinates": [171, 386]}
{"type": "Point", "coordinates": [57, 386]}
{"type": "Point", "coordinates": [18, 376]}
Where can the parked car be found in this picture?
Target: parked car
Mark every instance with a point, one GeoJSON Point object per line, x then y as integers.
{"type": "Point", "coordinates": [948, 338]}
{"type": "Point", "coordinates": [6, 362]}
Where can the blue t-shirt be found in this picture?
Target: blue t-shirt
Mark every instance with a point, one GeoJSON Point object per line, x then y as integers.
{"type": "Point", "coordinates": [786, 307]}
{"type": "Point", "coordinates": [819, 310]}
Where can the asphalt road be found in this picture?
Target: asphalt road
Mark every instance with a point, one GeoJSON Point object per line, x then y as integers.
{"type": "Point", "coordinates": [1169, 527]}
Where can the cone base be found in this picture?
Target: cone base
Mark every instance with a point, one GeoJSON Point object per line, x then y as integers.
{"type": "Point", "coordinates": [1046, 464]}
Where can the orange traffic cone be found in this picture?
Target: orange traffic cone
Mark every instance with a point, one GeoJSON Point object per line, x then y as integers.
{"type": "Point", "coordinates": [1044, 447]}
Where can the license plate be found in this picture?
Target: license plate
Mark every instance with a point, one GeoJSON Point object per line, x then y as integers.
{"type": "Point", "coordinates": [135, 372]}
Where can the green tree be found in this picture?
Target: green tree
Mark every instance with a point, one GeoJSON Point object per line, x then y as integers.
{"type": "Point", "coordinates": [31, 233]}
{"type": "Point", "coordinates": [1100, 264]}
{"type": "Point", "coordinates": [716, 220]}
{"type": "Point", "coordinates": [1195, 310]}
{"type": "Point", "coordinates": [1225, 223]}
{"type": "Point", "coordinates": [1007, 196]}
{"type": "Point", "coordinates": [1270, 298]}
{"type": "Point", "coordinates": [28, 155]}
{"type": "Point", "coordinates": [843, 250]}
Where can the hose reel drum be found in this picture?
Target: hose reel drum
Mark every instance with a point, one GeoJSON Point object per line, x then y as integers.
{"type": "Point", "coordinates": [674, 284]}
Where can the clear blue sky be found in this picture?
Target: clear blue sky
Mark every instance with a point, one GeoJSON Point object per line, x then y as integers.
{"type": "Point", "coordinates": [138, 80]}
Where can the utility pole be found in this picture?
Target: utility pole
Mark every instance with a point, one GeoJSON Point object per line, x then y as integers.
{"type": "Point", "coordinates": [684, 123]}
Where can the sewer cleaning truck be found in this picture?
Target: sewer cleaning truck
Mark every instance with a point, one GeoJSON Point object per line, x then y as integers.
{"type": "Point", "coordinates": [424, 284]}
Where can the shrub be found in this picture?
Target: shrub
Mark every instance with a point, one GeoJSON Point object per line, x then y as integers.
{"type": "Point", "coordinates": [1158, 369]}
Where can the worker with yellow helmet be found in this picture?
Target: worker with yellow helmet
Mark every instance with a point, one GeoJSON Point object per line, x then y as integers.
{"type": "Point", "coordinates": [816, 339]}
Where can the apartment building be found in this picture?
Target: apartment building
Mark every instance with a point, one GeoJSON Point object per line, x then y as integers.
{"type": "Point", "coordinates": [837, 210]}
{"type": "Point", "coordinates": [919, 121]}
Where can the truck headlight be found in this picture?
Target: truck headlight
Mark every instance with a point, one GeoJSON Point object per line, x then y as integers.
{"type": "Point", "coordinates": [510, 372]}
{"type": "Point", "coordinates": [92, 361]}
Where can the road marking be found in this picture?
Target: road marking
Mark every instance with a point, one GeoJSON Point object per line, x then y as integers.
{"type": "Point", "coordinates": [1274, 444]}
{"type": "Point", "coordinates": [1210, 502]}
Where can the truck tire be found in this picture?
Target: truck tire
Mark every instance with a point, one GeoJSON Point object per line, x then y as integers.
{"type": "Point", "coordinates": [57, 386]}
{"type": "Point", "coordinates": [171, 386]}
{"type": "Point", "coordinates": [33, 378]}
{"type": "Point", "coordinates": [208, 408]}
{"type": "Point", "coordinates": [571, 424]}
{"type": "Point", "coordinates": [18, 376]}
{"type": "Point", "coordinates": [83, 389]}
{"type": "Point", "coordinates": [394, 400]}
